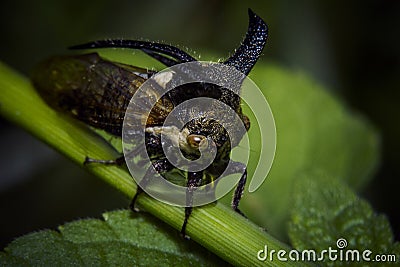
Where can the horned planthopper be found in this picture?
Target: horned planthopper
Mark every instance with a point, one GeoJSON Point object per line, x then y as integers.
{"type": "Point", "coordinates": [97, 92]}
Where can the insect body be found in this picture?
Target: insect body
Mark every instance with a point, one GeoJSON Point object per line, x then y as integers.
{"type": "Point", "coordinates": [97, 92]}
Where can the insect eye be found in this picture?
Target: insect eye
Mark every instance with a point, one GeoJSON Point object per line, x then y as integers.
{"type": "Point", "coordinates": [195, 140]}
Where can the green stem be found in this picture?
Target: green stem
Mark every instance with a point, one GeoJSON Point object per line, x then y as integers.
{"type": "Point", "coordinates": [222, 231]}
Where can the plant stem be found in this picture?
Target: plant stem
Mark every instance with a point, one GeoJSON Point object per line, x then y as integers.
{"type": "Point", "coordinates": [216, 227]}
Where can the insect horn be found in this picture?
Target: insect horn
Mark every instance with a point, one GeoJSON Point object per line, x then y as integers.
{"type": "Point", "coordinates": [151, 48]}
{"type": "Point", "coordinates": [246, 56]}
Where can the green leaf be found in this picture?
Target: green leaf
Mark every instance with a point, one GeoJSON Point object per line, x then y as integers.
{"type": "Point", "coordinates": [314, 131]}
{"type": "Point", "coordinates": [326, 210]}
{"type": "Point", "coordinates": [121, 239]}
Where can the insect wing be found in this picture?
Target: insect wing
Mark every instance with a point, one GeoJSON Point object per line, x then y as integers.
{"type": "Point", "coordinates": [91, 89]}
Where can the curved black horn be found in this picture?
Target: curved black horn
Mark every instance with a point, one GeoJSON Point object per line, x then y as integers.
{"type": "Point", "coordinates": [249, 51]}
{"type": "Point", "coordinates": [169, 50]}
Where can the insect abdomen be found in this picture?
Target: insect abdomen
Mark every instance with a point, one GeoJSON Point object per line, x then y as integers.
{"type": "Point", "coordinates": [88, 88]}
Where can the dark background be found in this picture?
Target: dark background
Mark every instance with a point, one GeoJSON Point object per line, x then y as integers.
{"type": "Point", "coordinates": [352, 47]}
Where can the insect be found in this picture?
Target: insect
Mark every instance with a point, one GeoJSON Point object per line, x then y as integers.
{"type": "Point", "coordinates": [97, 92]}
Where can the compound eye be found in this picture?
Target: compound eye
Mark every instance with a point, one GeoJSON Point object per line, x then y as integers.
{"type": "Point", "coordinates": [195, 140]}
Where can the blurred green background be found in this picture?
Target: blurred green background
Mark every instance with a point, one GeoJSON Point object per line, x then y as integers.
{"type": "Point", "coordinates": [351, 47]}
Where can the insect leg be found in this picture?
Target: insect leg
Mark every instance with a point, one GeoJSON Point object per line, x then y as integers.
{"type": "Point", "coordinates": [161, 165]}
{"type": "Point", "coordinates": [139, 190]}
{"type": "Point", "coordinates": [238, 167]}
{"type": "Point", "coordinates": [194, 181]}
{"type": "Point", "coordinates": [237, 195]}
{"type": "Point", "coordinates": [118, 161]}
